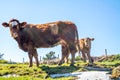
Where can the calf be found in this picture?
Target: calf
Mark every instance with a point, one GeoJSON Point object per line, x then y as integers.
{"type": "Point", "coordinates": [85, 47]}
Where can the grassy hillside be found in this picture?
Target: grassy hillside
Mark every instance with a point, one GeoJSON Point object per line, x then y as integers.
{"type": "Point", "coordinates": [23, 72]}
{"type": "Point", "coordinates": [111, 61]}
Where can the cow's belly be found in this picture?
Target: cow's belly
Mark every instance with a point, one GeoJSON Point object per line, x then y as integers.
{"type": "Point", "coordinates": [47, 44]}
{"type": "Point", "coordinates": [46, 41]}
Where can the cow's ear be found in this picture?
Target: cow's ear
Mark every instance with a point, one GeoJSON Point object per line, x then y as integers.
{"type": "Point", "coordinates": [23, 23]}
{"type": "Point", "coordinates": [82, 39]}
{"type": "Point", "coordinates": [5, 24]}
{"type": "Point", "coordinates": [92, 39]}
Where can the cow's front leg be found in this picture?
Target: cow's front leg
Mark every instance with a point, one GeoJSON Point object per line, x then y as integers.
{"type": "Point", "coordinates": [89, 57]}
{"type": "Point", "coordinates": [30, 59]}
{"type": "Point", "coordinates": [84, 56]}
{"type": "Point", "coordinates": [36, 57]}
{"type": "Point", "coordinates": [30, 54]}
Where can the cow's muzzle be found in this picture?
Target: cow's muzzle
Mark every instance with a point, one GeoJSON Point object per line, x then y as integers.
{"type": "Point", "coordinates": [14, 35]}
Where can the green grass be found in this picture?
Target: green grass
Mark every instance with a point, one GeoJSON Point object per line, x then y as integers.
{"type": "Point", "coordinates": [3, 61]}
{"type": "Point", "coordinates": [31, 78]}
{"type": "Point", "coordinates": [107, 64]}
{"type": "Point", "coordinates": [36, 73]}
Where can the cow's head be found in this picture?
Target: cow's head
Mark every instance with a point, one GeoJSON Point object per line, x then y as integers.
{"type": "Point", "coordinates": [15, 27]}
{"type": "Point", "coordinates": [87, 42]}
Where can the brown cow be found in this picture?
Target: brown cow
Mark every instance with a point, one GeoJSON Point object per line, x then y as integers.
{"type": "Point", "coordinates": [85, 47]}
{"type": "Point", "coordinates": [32, 36]}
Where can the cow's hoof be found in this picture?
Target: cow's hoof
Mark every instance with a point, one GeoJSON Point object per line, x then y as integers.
{"type": "Point", "coordinates": [72, 65]}
{"type": "Point", "coordinates": [91, 64]}
{"type": "Point", "coordinates": [84, 61]}
{"type": "Point", "coordinates": [59, 64]}
{"type": "Point", "coordinates": [30, 65]}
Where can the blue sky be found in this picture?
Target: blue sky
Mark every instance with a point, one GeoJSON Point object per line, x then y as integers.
{"type": "Point", "coordinates": [99, 19]}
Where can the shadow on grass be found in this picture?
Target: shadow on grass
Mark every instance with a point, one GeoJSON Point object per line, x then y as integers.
{"type": "Point", "coordinates": [59, 69]}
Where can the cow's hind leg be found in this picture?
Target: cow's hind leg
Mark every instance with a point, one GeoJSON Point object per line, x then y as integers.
{"type": "Point", "coordinates": [66, 58]}
{"type": "Point", "coordinates": [64, 53]}
{"type": "Point", "coordinates": [73, 50]}
{"type": "Point", "coordinates": [73, 59]}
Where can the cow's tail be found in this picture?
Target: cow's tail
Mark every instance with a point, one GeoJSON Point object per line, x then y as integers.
{"type": "Point", "coordinates": [77, 39]}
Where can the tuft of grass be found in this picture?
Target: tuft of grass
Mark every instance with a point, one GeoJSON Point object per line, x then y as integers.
{"type": "Point", "coordinates": [116, 72]}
